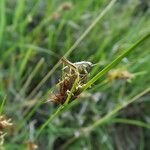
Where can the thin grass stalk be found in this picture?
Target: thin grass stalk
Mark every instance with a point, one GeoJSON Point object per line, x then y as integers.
{"type": "Point", "coordinates": [2, 105]}
{"type": "Point", "coordinates": [131, 122]}
{"type": "Point", "coordinates": [116, 61]}
{"type": "Point", "coordinates": [107, 117]}
{"type": "Point", "coordinates": [2, 19]}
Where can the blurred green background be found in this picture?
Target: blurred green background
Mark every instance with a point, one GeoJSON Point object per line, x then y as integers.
{"type": "Point", "coordinates": [35, 34]}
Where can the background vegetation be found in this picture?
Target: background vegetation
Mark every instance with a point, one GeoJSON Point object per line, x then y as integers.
{"type": "Point", "coordinates": [112, 113]}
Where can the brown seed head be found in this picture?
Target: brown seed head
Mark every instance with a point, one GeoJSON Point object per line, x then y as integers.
{"type": "Point", "coordinates": [74, 73]}
{"type": "Point", "coordinates": [55, 16]}
{"type": "Point", "coordinates": [31, 145]}
{"type": "Point", "coordinates": [4, 124]}
{"type": "Point", "coordinates": [66, 6]}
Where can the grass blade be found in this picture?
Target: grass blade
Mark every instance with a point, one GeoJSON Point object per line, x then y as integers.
{"type": "Point", "coordinates": [18, 12]}
{"type": "Point", "coordinates": [107, 117]}
{"type": "Point", "coordinates": [2, 105]}
{"type": "Point", "coordinates": [116, 61]}
{"type": "Point", "coordinates": [2, 19]}
{"type": "Point", "coordinates": [131, 122]}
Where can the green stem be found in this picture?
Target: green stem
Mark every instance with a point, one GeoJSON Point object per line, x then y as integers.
{"type": "Point", "coordinates": [131, 122]}
{"type": "Point", "coordinates": [116, 61]}
{"type": "Point", "coordinates": [2, 105]}
{"type": "Point", "coordinates": [2, 19]}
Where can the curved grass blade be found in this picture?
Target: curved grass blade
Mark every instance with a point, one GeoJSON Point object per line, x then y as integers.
{"type": "Point", "coordinates": [116, 61]}
{"type": "Point", "coordinates": [107, 117]}
{"type": "Point", "coordinates": [131, 122]}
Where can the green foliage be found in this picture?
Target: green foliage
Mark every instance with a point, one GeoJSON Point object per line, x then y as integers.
{"type": "Point", "coordinates": [111, 113]}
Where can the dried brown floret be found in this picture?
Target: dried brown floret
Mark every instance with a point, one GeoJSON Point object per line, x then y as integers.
{"type": "Point", "coordinates": [64, 87]}
{"type": "Point", "coordinates": [4, 124]}
{"type": "Point", "coordinates": [55, 15]}
{"type": "Point", "coordinates": [66, 6]}
{"type": "Point", "coordinates": [72, 72]}
{"type": "Point", "coordinates": [31, 145]}
{"type": "Point", "coordinates": [2, 134]}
